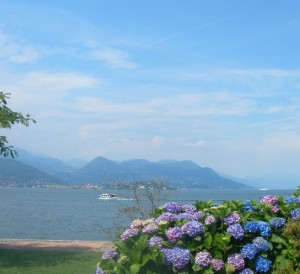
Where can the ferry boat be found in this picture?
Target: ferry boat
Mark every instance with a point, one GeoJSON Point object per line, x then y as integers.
{"type": "Point", "coordinates": [107, 196]}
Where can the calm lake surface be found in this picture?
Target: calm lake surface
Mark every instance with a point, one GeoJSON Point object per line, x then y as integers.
{"type": "Point", "coordinates": [78, 214]}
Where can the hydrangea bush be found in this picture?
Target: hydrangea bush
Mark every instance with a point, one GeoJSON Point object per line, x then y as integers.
{"type": "Point", "coordinates": [235, 237]}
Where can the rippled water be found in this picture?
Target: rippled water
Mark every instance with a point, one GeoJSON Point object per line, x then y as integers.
{"type": "Point", "coordinates": [77, 214]}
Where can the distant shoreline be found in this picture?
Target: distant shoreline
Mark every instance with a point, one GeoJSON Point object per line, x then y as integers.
{"type": "Point", "coordinates": [55, 245]}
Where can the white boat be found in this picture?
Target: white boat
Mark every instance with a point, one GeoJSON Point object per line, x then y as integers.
{"type": "Point", "coordinates": [107, 196]}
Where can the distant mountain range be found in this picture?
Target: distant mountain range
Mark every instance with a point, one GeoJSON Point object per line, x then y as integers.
{"type": "Point", "coordinates": [30, 169]}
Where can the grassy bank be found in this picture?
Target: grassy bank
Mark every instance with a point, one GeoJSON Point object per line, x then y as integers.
{"type": "Point", "coordinates": [47, 262]}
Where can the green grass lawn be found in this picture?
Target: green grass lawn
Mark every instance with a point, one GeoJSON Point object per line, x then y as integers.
{"type": "Point", "coordinates": [47, 262]}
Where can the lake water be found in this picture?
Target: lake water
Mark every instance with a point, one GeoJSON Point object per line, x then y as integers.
{"type": "Point", "coordinates": [78, 214]}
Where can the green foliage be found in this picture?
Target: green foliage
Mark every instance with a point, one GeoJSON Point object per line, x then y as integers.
{"type": "Point", "coordinates": [8, 118]}
{"type": "Point", "coordinates": [270, 227]}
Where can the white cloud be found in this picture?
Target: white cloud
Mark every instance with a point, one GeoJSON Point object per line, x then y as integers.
{"type": "Point", "coordinates": [113, 58]}
{"type": "Point", "coordinates": [199, 143]}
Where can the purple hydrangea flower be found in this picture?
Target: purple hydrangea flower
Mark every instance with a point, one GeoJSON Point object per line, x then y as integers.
{"type": "Point", "coordinates": [172, 207]}
{"type": "Point", "coordinates": [249, 251]}
{"type": "Point", "coordinates": [185, 215]}
{"type": "Point", "coordinates": [295, 213]}
{"type": "Point", "coordinates": [232, 218]}
{"type": "Point", "coordinates": [130, 232]}
{"type": "Point", "coordinates": [188, 208]}
{"type": "Point", "coordinates": [236, 231]}
{"type": "Point", "coordinates": [167, 255]}
{"type": "Point", "coordinates": [199, 215]}
{"type": "Point", "coordinates": [247, 271]}
{"type": "Point", "coordinates": [99, 270]}
{"type": "Point", "coordinates": [292, 199]}
{"type": "Point", "coordinates": [269, 199]}
{"type": "Point", "coordinates": [248, 206]}
{"type": "Point", "coordinates": [217, 264]}
{"type": "Point", "coordinates": [264, 229]}
{"type": "Point", "coordinates": [174, 234]}
{"type": "Point", "coordinates": [203, 259]}
{"type": "Point", "coordinates": [193, 228]}
{"type": "Point", "coordinates": [251, 226]}
{"type": "Point", "coordinates": [237, 261]}
{"type": "Point", "coordinates": [210, 220]}
{"type": "Point", "coordinates": [166, 217]}
{"type": "Point", "coordinates": [155, 240]}
{"type": "Point", "coordinates": [111, 254]}
{"type": "Point", "coordinates": [180, 257]}
{"type": "Point", "coordinates": [150, 228]}
{"type": "Point", "coordinates": [261, 244]}
{"type": "Point", "coordinates": [274, 209]}
{"type": "Point", "coordinates": [262, 264]}
{"type": "Point", "coordinates": [277, 222]}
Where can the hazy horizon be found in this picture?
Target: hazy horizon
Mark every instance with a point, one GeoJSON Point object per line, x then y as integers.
{"type": "Point", "coordinates": [214, 82]}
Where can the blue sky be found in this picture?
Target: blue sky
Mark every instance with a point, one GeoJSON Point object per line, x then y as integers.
{"type": "Point", "coordinates": [216, 82]}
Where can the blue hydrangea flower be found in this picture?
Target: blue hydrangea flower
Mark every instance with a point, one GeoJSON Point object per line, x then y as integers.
{"type": "Point", "coordinates": [277, 222]}
{"type": "Point", "coordinates": [217, 264]}
{"type": "Point", "coordinates": [111, 254]}
{"type": "Point", "coordinates": [249, 251]}
{"type": "Point", "coordinates": [292, 199]}
{"type": "Point", "coordinates": [247, 271]}
{"type": "Point", "coordinates": [188, 208]}
{"type": "Point", "coordinates": [193, 228]}
{"type": "Point", "coordinates": [130, 232]}
{"type": "Point", "coordinates": [236, 231]}
{"type": "Point", "coordinates": [172, 207]}
{"type": "Point", "coordinates": [264, 229]}
{"type": "Point", "coordinates": [180, 257]}
{"type": "Point", "coordinates": [186, 216]}
{"type": "Point", "coordinates": [295, 213]}
{"type": "Point", "coordinates": [262, 264]}
{"type": "Point", "coordinates": [251, 226]}
{"type": "Point", "coordinates": [261, 244]}
{"type": "Point", "coordinates": [248, 206]}
{"type": "Point", "coordinates": [237, 261]}
{"type": "Point", "coordinates": [203, 259]}
{"type": "Point", "coordinates": [166, 217]}
{"type": "Point", "coordinates": [232, 218]}
{"type": "Point", "coordinates": [155, 240]}
{"type": "Point", "coordinates": [174, 234]}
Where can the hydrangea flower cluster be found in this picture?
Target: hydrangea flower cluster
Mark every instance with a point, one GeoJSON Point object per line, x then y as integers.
{"type": "Point", "coordinates": [177, 257]}
{"type": "Point", "coordinates": [236, 231]}
{"type": "Point", "coordinates": [203, 259]}
{"type": "Point", "coordinates": [210, 220]}
{"type": "Point", "coordinates": [172, 207]}
{"type": "Point", "coordinates": [193, 228]}
{"type": "Point", "coordinates": [292, 199]}
{"type": "Point", "coordinates": [110, 254]}
{"type": "Point", "coordinates": [277, 222]}
{"type": "Point", "coordinates": [269, 199]}
{"type": "Point", "coordinates": [237, 261]}
{"type": "Point", "coordinates": [187, 208]}
{"type": "Point", "coordinates": [295, 213]}
{"type": "Point", "coordinates": [174, 234]}
{"type": "Point", "coordinates": [130, 232]}
{"type": "Point", "coordinates": [232, 218]}
{"type": "Point", "coordinates": [155, 241]}
{"type": "Point", "coordinates": [254, 237]}
{"type": "Point", "coordinates": [262, 264]}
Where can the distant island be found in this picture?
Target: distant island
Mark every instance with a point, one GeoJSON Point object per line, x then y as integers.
{"type": "Point", "coordinates": [30, 170]}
